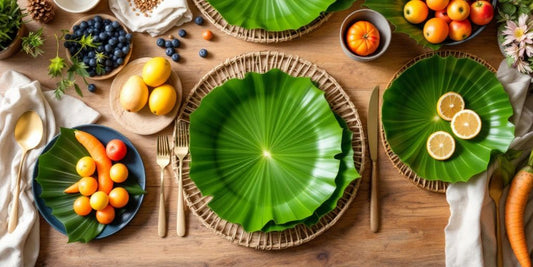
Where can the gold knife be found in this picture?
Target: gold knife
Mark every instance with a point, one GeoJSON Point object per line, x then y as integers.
{"type": "Point", "coordinates": [373, 136]}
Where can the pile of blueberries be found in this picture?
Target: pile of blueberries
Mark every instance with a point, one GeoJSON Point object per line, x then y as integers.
{"type": "Point", "coordinates": [110, 38]}
{"type": "Point", "coordinates": [173, 43]}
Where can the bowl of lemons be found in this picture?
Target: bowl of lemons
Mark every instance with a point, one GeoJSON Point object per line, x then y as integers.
{"type": "Point", "coordinates": [146, 95]}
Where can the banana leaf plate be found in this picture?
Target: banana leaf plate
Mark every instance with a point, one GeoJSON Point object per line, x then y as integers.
{"type": "Point", "coordinates": [393, 11]}
{"type": "Point", "coordinates": [265, 148]}
{"type": "Point", "coordinates": [49, 191]}
{"type": "Point", "coordinates": [409, 115]}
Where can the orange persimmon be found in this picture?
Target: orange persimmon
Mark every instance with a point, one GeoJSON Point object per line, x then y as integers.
{"type": "Point", "coordinates": [363, 38]}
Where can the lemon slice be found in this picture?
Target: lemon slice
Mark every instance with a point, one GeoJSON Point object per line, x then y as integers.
{"type": "Point", "coordinates": [466, 124]}
{"type": "Point", "coordinates": [440, 145]}
{"type": "Point", "coordinates": [449, 104]}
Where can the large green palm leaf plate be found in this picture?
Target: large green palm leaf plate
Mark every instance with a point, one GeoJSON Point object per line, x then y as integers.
{"type": "Point", "coordinates": [409, 116]}
{"type": "Point", "coordinates": [275, 15]}
{"type": "Point", "coordinates": [264, 148]}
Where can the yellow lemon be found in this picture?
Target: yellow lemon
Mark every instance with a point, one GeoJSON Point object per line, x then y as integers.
{"type": "Point", "coordinates": [156, 71]}
{"type": "Point", "coordinates": [162, 99]}
{"type": "Point", "coordinates": [134, 94]}
{"type": "Point", "coordinates": [99, 200]}
{"type": "Point", "coordinates": [440, 145]}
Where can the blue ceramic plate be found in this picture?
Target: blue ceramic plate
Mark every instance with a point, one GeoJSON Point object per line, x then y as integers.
{"type": "Point", "coordinates": [136, 171]}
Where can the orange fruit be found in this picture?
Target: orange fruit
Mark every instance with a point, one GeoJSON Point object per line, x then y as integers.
{"type": "Point", "coordinates": [460, 30]}
{"type": "Point", "coordinates": [106, 215]}
{"type": "Point", "coordinates": [458, 10]}
{"type": "Point", "coordinates": [363, 38]}
{"type": "Point", "coordinates": [436, 30]}
{"type": "Point", "coordinates": [82, 206]}
{"type": "Point", "coordinates": [437, 5]}
{"type": "Point", "coordinates": [440, 145]}
{"type": "Point", "coordinates": [118, 197]}
{"type": "Point", "coordinates": [466, 124]}
{"type": "Point", "coordinates": [415, 11]}
{"type": "Point", "coordinates": [87, 186]}
{"type": "Point", "coordinates": [85, 166]}
{"type": "Point", "coordinates": [449, 104]}
{"type": "Point", "coordinates": [99, 200]}
{"type": "Point", "coordinates": [207, 35]}
{"type": "Point", "coordinates": [118, 172]}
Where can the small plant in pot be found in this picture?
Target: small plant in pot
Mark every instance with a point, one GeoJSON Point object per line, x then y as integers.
{"type": "Point", "coordinates": [11, 28]}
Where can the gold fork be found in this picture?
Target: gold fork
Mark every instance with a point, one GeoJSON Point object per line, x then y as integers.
{"type": "Point", "coordinates": [181, 149]}
{"type": "Point", "coordinates": [163, 159]}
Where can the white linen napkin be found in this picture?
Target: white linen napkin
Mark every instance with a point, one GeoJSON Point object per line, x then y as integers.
{"type": "Point", "coordinates": [470, 233]}
{"type": "Point", "coordinates": [21, 247]}
{"type": "Point", "coordinates": [167, 14]}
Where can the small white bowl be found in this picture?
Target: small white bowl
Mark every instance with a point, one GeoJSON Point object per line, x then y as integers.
{"type": "Point", "coordinates": [377, 20]}
{"type": "Point", "coordinates": [76, 6]}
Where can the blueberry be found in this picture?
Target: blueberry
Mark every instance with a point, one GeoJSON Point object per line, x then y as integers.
{"type": "Point", "coordinates": [78, 33]}
{"type": "Point", "coordinates": [91, 54]}
{"type": "Point", "coordinates": [199, 20]}
{"type": "Point", "coordinates": [86, 60]}
{"type": "Point", "coordinates": [92, 73]}
{"type": "Point", "coordinates": [160, 42]}
{"type": "Point", "coordinates": [107, 21]}
{"type": "Point", "coordinates": [98, 18]}
{"type": "Point", "coordinates": [90, 31]}
{"type": "Point", "coordinates": [129, 36]}
{"type": "Point", "coordinates": [176, 57]}
{"type": "Point", "coordinates": [108, 28]}
{"type": "Point", "coordinates": [120, 61]}
{"type": "Point", "coordinates": [120, 45]}
{"type": "Point", "coordinates": [176, 43]}
{"type": "Point", "coordinates": [91, 87]}
{"type": "Point", "coordinates": [90, 22]}
{"type": "Point", "coordinates": [98, 25]}
{"type": "Point", "coordinates": [115, 64]}
{"type": "Point", "coordinates": [122, 39]}
{"type": "Point", "coordinates": [108, 69]}
{"type": "Point", "coordinates": [168, 44]}
{"type": "Point", "coordinates": [66, 44]}
{"type": "Point", "coordinates": [102, 36]}
{"type": "Point", "coordinates": [83, 25]}
{"type": "Point", "coordinates": [182, 33]}
{"type": "Point", "coordinates": [115, 24]}
{"type": "Point", "coordinates": [96, 39]}
{"type": "Point", "coordinates": [113, 41]}
{"type": "Point", "coordinates": [108, 48]}
{"type": "Point", "coordinates": [125, 50]}
{"type": "Point", "coordinates": [170, 51]}
{"type": "Point", "coordinates": [92, 62]}
{"type": "Point", "coordinates": [108, 62]}
{"type": "Point", "coordinates": [100, 48]}
{"type": "Point", "coordinates": [68, 36]}
{"type": "Point", "coordinates": [122, 32]}
{"type": "Point", "coordinates": [118, 53]}
{"type": "Point", "coordinates": [72, 50]}
{"type": "Point", "coordinates": [76, 27]}
{"type": "Point", "coordinates": [203, 52]}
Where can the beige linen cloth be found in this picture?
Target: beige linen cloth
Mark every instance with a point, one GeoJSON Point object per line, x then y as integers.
{"type": "Point", "coordinates": [470, 234]}
{"type": "Point", "coordinates": [21, 247]}
{"type": "Point", "coordinates": [167, 14]}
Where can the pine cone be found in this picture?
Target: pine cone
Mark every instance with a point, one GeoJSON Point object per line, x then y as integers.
{"type": "Point", "coordinates": [41, 10]}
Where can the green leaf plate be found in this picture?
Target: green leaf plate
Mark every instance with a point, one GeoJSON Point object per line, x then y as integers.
{"type": "Point", "coordinates": [409, 116]}
{"type": "Point", "coordinates": [264, 148]}
{"type": "Point", "coordinates": [56, 170]}
{"type": "Point", "coordinates": [275, 15]}
{"type": "Point", "coordinates": [393, 11]}
{"type": "Point", "coordinates": [347, 173]}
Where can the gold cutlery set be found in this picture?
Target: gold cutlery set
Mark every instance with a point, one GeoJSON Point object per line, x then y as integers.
{"type": "Point", "coordinates": [177, 153]}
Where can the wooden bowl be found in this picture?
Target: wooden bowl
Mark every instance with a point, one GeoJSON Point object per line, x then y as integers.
{"type": "Point", "coordinates": [126, 59]}
{"type": "Point", "coordinates": [15, 45]}
{"type": "Point", "coordinates": [142, 122]}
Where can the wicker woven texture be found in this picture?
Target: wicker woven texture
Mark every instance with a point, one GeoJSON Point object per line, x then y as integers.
{"type": "Point", "coordinates": [256, 35]}
{"type": "Point", "coordinates": [434, 186]}
{"type": "Point", "coordinates": [340, 103]}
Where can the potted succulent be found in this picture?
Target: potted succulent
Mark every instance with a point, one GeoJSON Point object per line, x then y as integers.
{"type": "Point", "coordinates": [11, 28]}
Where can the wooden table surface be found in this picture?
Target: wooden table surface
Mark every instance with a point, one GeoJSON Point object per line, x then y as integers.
{"type": "Point", "coordinates": [413, 220]}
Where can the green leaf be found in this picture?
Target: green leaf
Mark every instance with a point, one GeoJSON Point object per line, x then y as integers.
{"type": "Point", "coordinates": [265, 146]}
{"type": "Point", "coordinates": [271, 15]}
{"type": "Point", "coordinates": [78, 90]}
{"type": "Point", "coordinates": [56, 66]}
{"type": "Point", "coordinates": [393, 11]}
{"type": "Point", "coordinates": [409, 116]}
{"type": "Point", "coordinates": [508, 9]}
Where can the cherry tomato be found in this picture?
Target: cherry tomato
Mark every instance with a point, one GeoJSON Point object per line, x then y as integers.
{"type": "Point", "coordinates": [116, 150]}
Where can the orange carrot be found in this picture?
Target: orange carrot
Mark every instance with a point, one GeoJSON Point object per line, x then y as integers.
{"type": "Point", "coordinates": [515, 208]}
{"type": "Point", "coordinates": [72, 189]}
{"type": "Point", "coordinates": [103, 163]}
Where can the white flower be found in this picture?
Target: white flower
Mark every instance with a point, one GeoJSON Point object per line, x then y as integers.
{"type": "Point", "coordinates": [513, 51]}
{"type": "Point", "coordinates": [519, 33]}
{"type": "Point", "coordinates": [523, 66]}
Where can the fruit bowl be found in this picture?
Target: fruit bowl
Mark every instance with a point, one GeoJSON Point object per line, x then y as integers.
{"type": "Point", "coordinates": [124, 54]}
{"type": "Point", "coordinates": [393, 11]}
{"type": "Point", "coordinates": [377, 20]}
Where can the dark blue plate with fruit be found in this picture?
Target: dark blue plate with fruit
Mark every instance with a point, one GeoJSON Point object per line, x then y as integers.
{"type": "Point", "coordinates": [102, 43]}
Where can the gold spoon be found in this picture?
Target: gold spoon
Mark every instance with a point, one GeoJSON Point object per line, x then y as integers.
{"type": "Point", "coordinates": [495, 192]}
{"type": "Point", "coordinates": [28, 134]}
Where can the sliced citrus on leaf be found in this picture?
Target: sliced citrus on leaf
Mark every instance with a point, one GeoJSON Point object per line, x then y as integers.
{"type": "Point", "coordinates": [449, 104]}
{"type": "Point", "coordinates": [466, 124]}
{"type": "Point", "coordinates": [440, 145]}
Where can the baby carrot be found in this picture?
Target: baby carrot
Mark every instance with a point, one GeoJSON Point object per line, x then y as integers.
{"type": "Point", "coordinates": [103, 163]}
{"type": "Point", "coordinates": [515, 207]}
{"type": "Point", "coordinates": [72, 189]}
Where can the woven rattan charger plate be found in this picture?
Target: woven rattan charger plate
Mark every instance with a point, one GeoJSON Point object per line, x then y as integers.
{"type": "Point", "coordinates": [434, 186]}
{"type": "Point", "coordinates": [340, 103]}
{"type": "Point", "coordinates": [256, 35]}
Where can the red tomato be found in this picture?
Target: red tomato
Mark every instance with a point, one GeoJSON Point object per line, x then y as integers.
{"type": "Point", "coordinates": [116, 150]}
{"type": "Point", "coordinates": [460, 30]}
{"type": "Point", "coordinates": [443, 14]}
{"type": "Point", "coordinates": [363, 38]}
{"type": "Point", "coordinates": [481, 12]}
